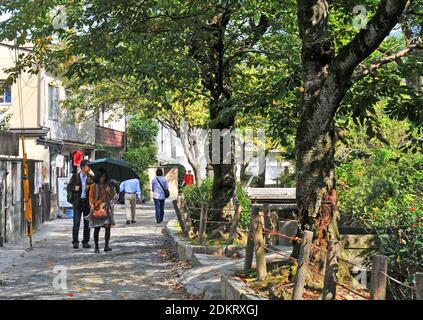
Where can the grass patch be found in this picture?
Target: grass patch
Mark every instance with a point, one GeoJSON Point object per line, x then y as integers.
{"type": "Point", "coordinates": [278, 283]}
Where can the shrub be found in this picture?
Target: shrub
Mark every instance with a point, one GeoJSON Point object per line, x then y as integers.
{"type": "Point", "coordinates": [194, 196]}
{"type": "Point", "coordinates": [384, 193]}
{"type": "Point", "coordinates": [399, 236]}
{"type": "Point", "coordinates": [245, 202]}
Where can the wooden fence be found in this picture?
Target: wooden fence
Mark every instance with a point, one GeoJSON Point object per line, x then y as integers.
{"type": "Point", "coordinates": [379, 273]}
{"type": "Point", "coordinates": [185, 221]}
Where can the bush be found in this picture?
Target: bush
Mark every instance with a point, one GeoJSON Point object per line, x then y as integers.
{"type": "Point", "coordinates": [194, 196]}
{"type": "Point", "coordinates": [399, 236]}
{"type": "Point", "coordinates": [384, 193]}
{"type": "Point", "coordinates": [142, 149]}
{"type": "Point", "coordinates": [245, 202]}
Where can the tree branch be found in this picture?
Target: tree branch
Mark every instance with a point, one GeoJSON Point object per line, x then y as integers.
{"type": "Point", "coordinates": [376, 65]}
{"type": "Point", "coordinates": [369, 39]}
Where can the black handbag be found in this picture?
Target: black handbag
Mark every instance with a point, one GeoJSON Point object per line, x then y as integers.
{"type": "Point", "coordinates": [122, 197]}
{"type": "Point", "coordinates": [166, 191]}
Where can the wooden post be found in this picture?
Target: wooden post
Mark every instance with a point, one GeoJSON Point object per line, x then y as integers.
{"type": "Point", "coordinates": [203, 223]}
{"type": "Point", "coordinates": [419, 285]}
{"type": "Point", "coordinates": [179, 216]}
{"type": "Point", "coordinates": [249, 250]}
{"type": "Point", "coordinates": [329, 286]}
{"type": "Point", "coordinates": [297, 293]}
{"type": "Point", "coordinates": [257, 230]}
{"type": "Point", "coordinates": [185, 217]}
{"type": "Point", "coordinates": [267, 224]}
{"type": "Point", "coordinates": [234, 224]}
{"type": "Point", "coordinates": [379, 280]}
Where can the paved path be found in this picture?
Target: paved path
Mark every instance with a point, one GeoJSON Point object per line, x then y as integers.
{"type": "Point", "coordinates": [135, 269]}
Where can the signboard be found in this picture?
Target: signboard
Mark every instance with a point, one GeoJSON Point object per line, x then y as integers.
{"type": "Point", "coordinates": [62, 194]}
{"type": "Point", "coordinates": [59, 161]}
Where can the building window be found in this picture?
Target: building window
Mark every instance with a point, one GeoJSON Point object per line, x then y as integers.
{"type": "Point", "coordinates": [5, 94]}
{"type": "Point", "coordinates": [53, 102]}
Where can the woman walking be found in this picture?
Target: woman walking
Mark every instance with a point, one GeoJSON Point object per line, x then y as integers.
{"type": "Point", "coordinates": [101, 214]}
{"type": "Point", "coordinates": [160, 188]}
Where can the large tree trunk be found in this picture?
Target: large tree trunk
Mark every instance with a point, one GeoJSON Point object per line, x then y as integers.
{"type": "Point", "coordinates": [210, 53]}
{"type": "Point", "coordinates": [224, 179]}
{"type": "Point", "coordinates": [223, 187]}
{"type": "Point", "coordinates": [316, 184]}
{"type": "Point", "coordinates": [326, 78]}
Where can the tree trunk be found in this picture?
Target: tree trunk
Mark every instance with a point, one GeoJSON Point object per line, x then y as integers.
{"type": "Point", "coordinates": [316, 184]}
{"type": "Point", "coordinates": [326, 78]}
{"type": "Point", "coordinates": [191, 149]}
{"type": "Point", "coordinates": [223, 187]}
{"type": "Point", "coordinates": [224, 179]}
{"type": "Point", "coordinates": [196, 169]}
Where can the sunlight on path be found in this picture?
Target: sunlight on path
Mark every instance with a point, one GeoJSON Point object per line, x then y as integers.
{"type": "Point", "coordinates": [133, 270]}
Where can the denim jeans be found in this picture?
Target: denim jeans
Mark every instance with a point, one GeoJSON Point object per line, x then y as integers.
{"type": "Point", "coordinates": [159, 205]}
{"type": "Point", "coordinates": [82, 210]}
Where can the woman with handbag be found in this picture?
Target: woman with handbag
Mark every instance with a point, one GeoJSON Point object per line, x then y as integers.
{"type": "Point", "coordinates": [160, 188]}
{"type": "Point", "coordinates": [101, 214]}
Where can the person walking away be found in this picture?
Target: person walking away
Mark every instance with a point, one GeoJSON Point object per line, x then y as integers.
{"type": "Point", "coordinates": [188, 179]}
{"type": "Point", "coordinates": [160, 189]}
{"type": "Point", "coordinates": [132, 191]}
{"type": "Point", "coordinates": [78, 189]}
{"type": "Point", "coordinates": [101, 213]}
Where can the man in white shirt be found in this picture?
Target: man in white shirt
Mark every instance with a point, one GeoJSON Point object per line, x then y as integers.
{"type": "Point", "coordinates": [132, 191]}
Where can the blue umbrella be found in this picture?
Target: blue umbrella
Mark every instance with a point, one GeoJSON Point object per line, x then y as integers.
{"type": "Point", "coordinates": [117, 169]}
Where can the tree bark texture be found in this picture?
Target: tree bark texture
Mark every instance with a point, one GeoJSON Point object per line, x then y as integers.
{"type": "Point", "coordinates": [326, 78]}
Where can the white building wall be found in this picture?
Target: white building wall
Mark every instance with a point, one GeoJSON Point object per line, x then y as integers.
{"type": "Point", "coordinates": [170, 150]}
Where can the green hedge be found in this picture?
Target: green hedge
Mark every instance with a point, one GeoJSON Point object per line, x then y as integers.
{"type": "Point", "coordinates": [194, 196]}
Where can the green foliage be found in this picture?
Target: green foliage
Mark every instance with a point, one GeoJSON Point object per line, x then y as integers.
{"type": "Point", "coordinates": [399, 236]}
{"type": "Point", "coordinates": [287, 180]}
{"type": "Point", "coordinates": [141, 131]}
{"type": "Point", "coordinates": [368, 186]}
{"type": "Point", "coordinates": [4, 119]}
{"type": "Point", "coordinates": [380, 187]}
{"type": "Point", "coordinates": [245, 202]}
{"type": "Point", "coordinates": [142, 150]}
{"type": "Point", "coordinates": [194, 196]}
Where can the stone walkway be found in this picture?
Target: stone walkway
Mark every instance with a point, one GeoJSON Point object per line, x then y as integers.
{"type": "Point", "coordinates": [135, 269]}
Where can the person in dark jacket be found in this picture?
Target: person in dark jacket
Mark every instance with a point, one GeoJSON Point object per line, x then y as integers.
{"type": "Point", "coordinates": [79, 185]}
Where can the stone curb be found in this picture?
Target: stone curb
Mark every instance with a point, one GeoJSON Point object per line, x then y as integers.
{"type": "Point", "coordinates": [184, 248]}
{"type": "Point", "coordinates": [234, 289]}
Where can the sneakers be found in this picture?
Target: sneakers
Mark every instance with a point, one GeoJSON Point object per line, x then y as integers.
{"type": "Point", "coordinates": [86, 246]}
{"type": "Point", "coordinates": [128, 221]}
{"type": "Point", "coordinates": [133, 221]}
{"type": "Point", "coordinates": [107, 249]}
{"type": "Point", "coordinates": [76, 245]}
{"type": "Point", "coordinates": [97, 250]}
